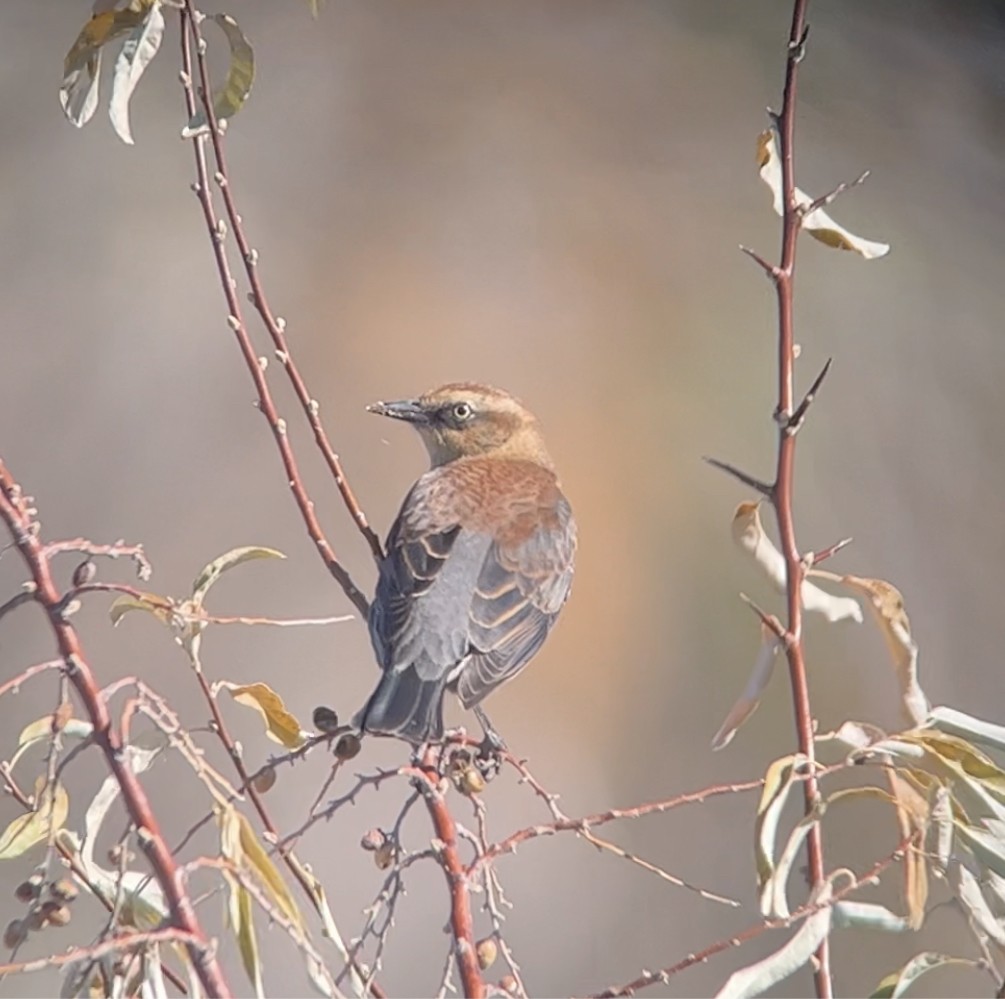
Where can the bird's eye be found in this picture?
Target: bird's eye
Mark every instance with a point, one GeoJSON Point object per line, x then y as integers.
{"type": "Point", "coordinates": [462, 411]}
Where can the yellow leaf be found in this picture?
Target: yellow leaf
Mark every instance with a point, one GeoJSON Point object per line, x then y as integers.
{"type": "Point", "coordinates": [162, 608]}
{"type": "Point", "coordinates": [34, 827]}
{"type": "Point", "coordinates": [817, 223]}
{"type": "Point", "coordinates": [214, 570]}
{"type": "Point", "coordinates": [230, 98]}
{"type": "Point", "coordinates": [78, 101]}
{"type": "Point", "coordinates": [240, 845]}
{"type": "Point", "coordinates": [749, 535]}
{"type": "Point", "coordinates": [888, 608]}
{"type": "Point", "coordinates": [280, 725]}
{"type": "Point", "coordinates": [241, 916]}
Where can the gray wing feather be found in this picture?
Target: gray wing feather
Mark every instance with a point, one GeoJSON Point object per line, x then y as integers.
{"type": "Point", "coordinates": [520, 590]}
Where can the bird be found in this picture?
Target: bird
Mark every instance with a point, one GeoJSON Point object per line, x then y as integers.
{"type": "Point", "coordinates": [478, 563]}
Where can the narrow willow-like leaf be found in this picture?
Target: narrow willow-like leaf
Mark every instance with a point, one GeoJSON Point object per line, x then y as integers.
{"type": "Point", "coordinates": [230, 98]}
{"type": "Point", "coordinates": [137, 53]}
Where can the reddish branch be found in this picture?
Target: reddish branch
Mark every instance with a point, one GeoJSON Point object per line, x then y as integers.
{"type": "Point", "coordinates": [461, 920]}
{"type": "Point", "coordinates": [583, 824]}
{"type": "Point", "coordinates": [788, 423]}
{"type": "Point", "coordinates": [217, 230]}
{"type": "Point", "coordinates": [16, 514]}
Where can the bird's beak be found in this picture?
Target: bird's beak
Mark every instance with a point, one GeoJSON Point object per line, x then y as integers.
{"type": "Point", "coordinates": [406, 409]}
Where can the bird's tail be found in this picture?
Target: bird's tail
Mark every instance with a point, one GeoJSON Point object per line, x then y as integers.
{"type": "Point", "coordinates": [406, 706]}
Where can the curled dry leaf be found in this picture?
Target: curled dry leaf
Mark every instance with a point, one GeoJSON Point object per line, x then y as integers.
{"type": "Point", "coordinates": [758, 681]}
{"type": "Point", "coordinates": [79, 97]}
{"type": "Point", "coordinates": [983, 922]}
{"type": "Point", "coordinates": [749, 534]}
{"type": "Point", "coordinates": [896, 985]}
{"type": "Point", "coordinates": [280, 725]}
{"type": "Point", "coordinates": [817, 222]}
{"type": "Point", "coordinates": [888, 607]}
{"type": "Point", "coordinates": [230, 98]}
{"type": "Point", "coordinates": [137, 53]}
{"type": "Point", "coordinates": [51, 809]}
{"type": "Point", "coordinates": [758, 978]}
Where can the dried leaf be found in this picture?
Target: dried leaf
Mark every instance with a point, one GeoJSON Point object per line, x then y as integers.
{"type": "Point", "coordinates": [749, 534]}
{"type": "Point", "coordinates": [162, 608]}
{"type": "Point", "coordinates": [40, 731]}
{"type": "Point", "coordinates": [240, 845]}
{"type": "Point", "coordinates": [241, 916]}
{"type": "Point", "coordinates": [331, 931]}
{"type": "Point", "coordinates": [138, 51]}
{"type": "Point", "coordinates": [778, 781]}
{"type": "Point", "coordinates": [868, 916]}
{"type": "Point", "coordinates": [79, 100]}
{"type": "Point", "coordinates": [756, 979]}
{"type": "Point", "coordinates": [913, 816]}
{"type": "Point", "coordinates": [817, 223]}
{"type": "Point", "coordinates": [51, 808]}
{"type": "Point", "coordinates": [230, 98]}
{"type": "Point", "coordinates": [215, 569]}
{"type": "Point", "coordinates": [280, 725]}
{"type": "Point", "coordinates": [968, 893]}
{"type": "Point", "coordinates": [968, 727]}
{"type": "Point", "coordinates": [760, 676]}
{"type": "Point", "coordinates": [894, 986]}
{"type": "Point", "coordinates": [888, 608]}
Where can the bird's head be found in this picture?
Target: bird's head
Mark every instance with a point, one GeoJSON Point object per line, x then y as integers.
{"type": "Point", "coordinates": [463, 420]}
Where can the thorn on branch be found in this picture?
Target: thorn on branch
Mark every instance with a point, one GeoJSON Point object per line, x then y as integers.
{"type": "Point", "coordinates": [769, 269]}
{"type": "Point", "coordinates": [797, 49]}
{"type": "Point", "coordinates": [764, 488]}
{"type": "Point", "coordinates": [795, 421]}
{"type": "Point", "coordinates": [826, 199]}
{"type": "Point", "coordinates": [815, 558]}
{"type": "Point", "coordinates": [768, 620]}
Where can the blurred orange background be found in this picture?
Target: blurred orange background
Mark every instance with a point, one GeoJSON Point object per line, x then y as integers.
{"type": "Point", "coordinates": [548, 198]}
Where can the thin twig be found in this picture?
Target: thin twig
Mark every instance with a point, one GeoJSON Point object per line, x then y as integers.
{"type": "Point", "coordinates": [266, 404]}
{"type": "Point", "coordinates": [20, 521]}
{"type": "Point", "coordinates": [664, 975]}
{"type": "Point", "coordinates": [764, 488]}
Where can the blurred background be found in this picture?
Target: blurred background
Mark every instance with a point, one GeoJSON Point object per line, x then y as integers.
{"type": "Point", "coordinates": [548, 198]}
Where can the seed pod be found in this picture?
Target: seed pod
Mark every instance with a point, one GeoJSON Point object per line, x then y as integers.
{"type": "Point", "coordinates": [325, 719]}
{"type": "Point", "coordinates": [487, 951]}
{"type": "Point", "coordinates": [84, 573]}
{"type": "Point", "coordinates": [508, 984]}
{"type": "Point", "coordinates": [373, 840]}
{"type": "Point", "coordinates": [384, 855]}
{"type": "Point", "coordinates": [15, 934]}
{"type": "Point", "coordinates": [28, 891]}
{"type": "Point", "coordinates": [64, 890]}
{"type": "Point", "coordinates": [264, 780]}
{"type": "Point", "coordinates": [348, 746]}
{"type": "Point", "coordinates": [59, 916]}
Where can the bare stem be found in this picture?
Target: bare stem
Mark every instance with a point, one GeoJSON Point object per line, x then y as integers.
{"type": "Point", "coordinates": [783, 277]}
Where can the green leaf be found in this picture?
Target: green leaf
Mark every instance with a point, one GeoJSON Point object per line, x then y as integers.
{"type": "Point", "coordinates": [215, 569]}
{"type": "Point", "coordinates": [230, 98]}
{"type": "Point", "coordinates": [25, 831]}
{"type": "Point", "coordinates": [137, 53]}
{"type": "Point", "coordinates": [896, 984]}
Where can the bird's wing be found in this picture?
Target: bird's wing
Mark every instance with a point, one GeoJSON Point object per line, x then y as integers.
{"type": "Point", "coordinates": [523, 583]}
{"type": "Point", "coordinates": [419, 615]}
